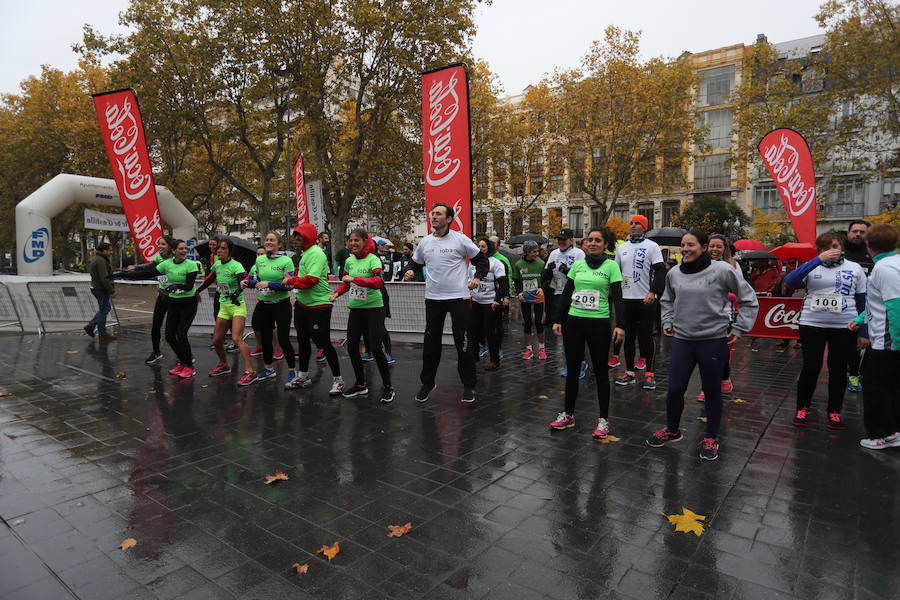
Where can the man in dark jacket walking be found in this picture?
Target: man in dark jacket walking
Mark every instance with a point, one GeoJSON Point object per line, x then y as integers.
{"type": "Point", "coordinates": [103, 289]}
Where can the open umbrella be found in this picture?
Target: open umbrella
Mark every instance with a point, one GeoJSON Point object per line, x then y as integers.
{"type": "Point", "coordinates": [509, 254]}
{"type": "Point", "coordinates": [755, 255]}
{"type": "Point", "coordinates": [666, 236]}
{"type": "Point", "coordinates": [749, 245]}
{"type": "Point", "coordinates": [802, 251]}
{"type": "Point", "coordinates": [244, 251]}
{"type": "Point", "coordinates": [382, 240]}
{"type": "Point", "coordinates": [527, 237]}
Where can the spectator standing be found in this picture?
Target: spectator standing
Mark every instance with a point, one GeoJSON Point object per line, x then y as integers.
{"type": "Point", "coordinates": [103, 289]}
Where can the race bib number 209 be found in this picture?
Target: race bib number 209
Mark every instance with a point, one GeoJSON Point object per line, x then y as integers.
{"type": "Point", "coordinates": [586, 300]}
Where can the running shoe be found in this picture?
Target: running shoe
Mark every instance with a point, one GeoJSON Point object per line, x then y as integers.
{"type": "Point", "coordinates": [834, 421]}
{"type": "Point", "coordinates": [602, 429]}
{"type": "Point", "coordinates": [649, 381]}
{"type": "Point", "coordinates": [875, 443]}
{"type": "Point", "coordinates": [801, 419]}
{"type": "Point", "coordinates": [387, 394]}
{"type": "Point", "coordinates": [278, 355]}
{"type": "Point", "coordinates": [492, 366]}
{"type": "Point", "coordinates": [153, 358]}
{"type": "Point", "coordinates": [893, 439]}
{"type": "Point", "coordinates": [266, 374]}
{"type": "Point", "coordinates": [390, 359]}
{"type": "Point", "coordinates": [853, 384]}
{"type": "Point", "coordinates": [528, 354]}
{"type": "Point", "coordinates": [320, 356]}
{"type": "Point", "coordinates": [583, 372]}
{"type": "Point", "coordinates": [627, 379]}
{"type": "Point", "coordinates": [563, 421]}
{"type": "Point", "coordinates": [641, 364]}
{"type": "Point", "coordinates": [337, 386]}
{"type": "Point", "coordinates": [304, 382]}
{"type": "Point", "coordinates": [247, 378]}
{"type": "Point", "coordinates": [709, 449]}
{"type": "Point", "coordinates": [256, 351]}
{"type": "Point", "coordinates": [293, 380]}
{"type": "Point", "coordinates": [701, 397]}
{"type": "Point", "coordinates": [663, 437]}
{"type": "Point", "coordinates": [542, 353]}
{"type": "Point", "coordinates": [501, 352]}
{"type": "Point", "coordinates": [220, 369]}
{"type": "Point", "coordinates": [89, 329]}
{"type": "Point", "coordinates": [468, 395]}
{"type": "Point", "coordinates": [358, 389]}
{"type": "Point", "coordinates": [366, 356]}
{"type": "Point", "coordinates": [727, 386]}
{"type": "Point", "coordinates": [230, 346]}
{"type": "Point", "coordinates": [614, 362]}
{"type": "Point", "coordinates": [174, 370]}
{"type": "Point", "coordinates": [424, 392]}
{"type": "Point", "coordinates": [482, 351]}
{"type": "Point", "coordinates": [186, 372]}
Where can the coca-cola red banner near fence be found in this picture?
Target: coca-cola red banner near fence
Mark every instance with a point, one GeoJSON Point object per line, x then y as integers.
{"type": "Point", "coordinates": [126, 148]}
{"type": "Point", "coordinates": [786, 156]}
{"type": "Point", "coordinates": [446, 148]}
{"type": "Point", "coordinates": [777, 318]}
{"type": "Point", "coordinates": [300, 192]}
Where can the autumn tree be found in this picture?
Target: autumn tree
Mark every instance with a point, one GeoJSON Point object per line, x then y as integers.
{"type": "Point", "coordinates": [709, 213]}
{"type": "Point", "coordinates": [771, 229]}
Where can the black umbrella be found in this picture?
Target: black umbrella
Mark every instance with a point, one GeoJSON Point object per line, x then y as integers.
{"type": "Point", "coordinates": [509, 254]}
{"type": "Point", "coordinates": [527, 237]}
{"type": "Point", "coordinates": [755, 255]}
{"type": "Point", "coordinates": [244, 251]}
{"type": "Point", "coordinates": [666, 236]}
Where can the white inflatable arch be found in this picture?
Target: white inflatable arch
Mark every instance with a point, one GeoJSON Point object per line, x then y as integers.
{"type": "Point", "coordinates": [34, 240]}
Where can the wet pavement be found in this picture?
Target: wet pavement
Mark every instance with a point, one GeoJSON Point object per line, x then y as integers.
{"type": "Point", "coordinates": [500, 506]}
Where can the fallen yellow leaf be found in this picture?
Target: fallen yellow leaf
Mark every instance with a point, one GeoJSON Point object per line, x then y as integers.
{"type": "Point", "coordinates": [703, 419]}
{"type": "Point", "coordinates": [28, 341]}
{"type": "Point", "coordinates": [80, 504]}
{"type": "Point", "coordinates": [120, 375]}
{"type": "Point", "coordinates": [738, 401]}
{"type": "Point", "coordinates": [687, 522]}
{"type": "Point", "coordinates": [71, 351]}
{"type": "Point", "coordinates": [278, 476]}
{"type": "Point", "coordinates": [329, 551]}
{"type": "Point", "coordinates": [541, 397]}
{"type": "Point", "coordinates": [609, 439]}
{"type": "Point", "coordinates": [5, 394]}
{"type": "Point", "coordinates": [398, 530]}
{"type": "Point", "coordinates": [298, 568]}
{"type": "Point", "coordinates": [127, 543]}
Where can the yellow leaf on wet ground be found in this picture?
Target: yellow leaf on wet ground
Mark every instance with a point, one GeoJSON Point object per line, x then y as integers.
{"type": "Point", "coordinates": [298, 568]}
{"type": "Point", "coordinates": [702, 419]}
{"type": "Point", "coordinates": [5, 394]}
{"type": "Point", "coordinates": [608, 439]}
{"type": "Point", "coordinates": [120, 375]}
{"type": "Point", "coordinates": [71, 351]}
{"type": "Point", "coordinates": [398, 530]}
{"type": "Point", "coordinates": [79, 505]}
{"type": "Point", "coordinates": [127, 543]}
{"type": "Point", "coordinates": [688, 521]}
{"type": "Point", "coordinates": [330, 551]}
{"type": "Point", "coordinates": [738, 401]}
{"type": "Point", "coordinates": [278, 476]}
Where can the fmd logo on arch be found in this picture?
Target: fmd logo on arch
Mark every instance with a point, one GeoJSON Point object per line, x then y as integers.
{"type": "Point", "coordinates": [37, 244]}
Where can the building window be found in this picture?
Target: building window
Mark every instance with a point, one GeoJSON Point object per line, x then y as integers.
{"type": "Point", "coordinates": [555, 170]}
{"type": "Point", "coordinates": [536, 175]}
{"type": "Point", "coordinates": [623, 211]}
{"type": "Point", "coordinates": [890, 194]}
{"type": "Point", "coordinates": [500, 174]}
{"type": "Point", "coordinates": [718, 123]}
{"type": "Point", "coordinates": [576, 220]}
{"type": "Point", "coordinates": [766, 199]}
{"type": "Point", "coordinates": [481, 181]}
{"type": "Point", "coordinates": [716, 86]}
{"type": "Point", "coordinates": [516, 222]}
{"type": "Point", "coordinates": [669, 210]}
{"type": "Point", "coordinates": [481, 224]}
{"type": "Point", "coordinates": [535, 221]}
{"type": "Point", "coordinates": [846, 198]}
{"type": "Point", "coordinates": [499, 224]}
{"type": "Point", "coordinates": [595, 216]}
{"type": "Point", "coordinates": [711, 172]}
{"type": "Point", "coordinates": [554, 221]}
{"type": "Point", "coordinates": [647, 211]}
{"type": "Point", "coordinates": [576, 172]}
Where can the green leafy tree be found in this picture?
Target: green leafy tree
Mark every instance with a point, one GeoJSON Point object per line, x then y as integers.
{"type": "Point", "coordinates": [709, 213]}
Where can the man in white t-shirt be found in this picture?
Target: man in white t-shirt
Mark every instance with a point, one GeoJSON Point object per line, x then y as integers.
{"type": "Point", "coordinates": [443, 252]}
{"type": "Point", "coordinates": [558, 264]}
{"type": "Point", "coordinates": [643, 282]}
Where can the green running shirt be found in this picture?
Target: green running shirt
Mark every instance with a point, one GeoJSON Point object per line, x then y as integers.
{"type": "Point", "coordinates": [177, 273]}
{"type": "Point", "coordinates": [591, 296]}
{"type": "Point", "coordinates": [358, 296]}
{"type": "Point", "coordinates": [313, 262]}
{"type": "Point", "coordinates": [228, 279]}
{"type": "Point", "coordinates": [269, 270]}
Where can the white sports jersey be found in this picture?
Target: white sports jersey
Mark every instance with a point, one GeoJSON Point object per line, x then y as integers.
{"type": "Point", "coordinates": [445, 260]}
{"type": "Point", "coordinates": [830, 294]}
{"type": "Point", "coordinates": [636, 262]}
{"type": "Point", "coordinates": [567, 258]}
{"type": "Point", "coordinates": [487, 291]}
{"type": "Point", "coordinates": [884, 285]}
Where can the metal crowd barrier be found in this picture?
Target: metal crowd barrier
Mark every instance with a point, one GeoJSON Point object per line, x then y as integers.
{"type": "Point", "coordinates": [60, 306]}
{"type": "Point", "coordinates": [9, 314]}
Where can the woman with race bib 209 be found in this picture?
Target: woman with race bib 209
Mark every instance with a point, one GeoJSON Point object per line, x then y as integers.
{"type": "Point", "coordinates": [583, 318]}
{"type": "Point", "coordinates": [835, 295]}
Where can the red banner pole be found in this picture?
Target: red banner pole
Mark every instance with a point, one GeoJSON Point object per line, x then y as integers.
{"type": "Point", "coordinates": [300, 192]}
{"type": "Point", "coordinates": [789, 162]}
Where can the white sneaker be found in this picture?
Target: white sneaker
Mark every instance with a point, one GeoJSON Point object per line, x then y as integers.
{"type": "Point", "coordinates": [893, 440]}
{"type": "Point", "coordinates": [337, 387]}
{"type": "Point", "coordinates": [875, 443]}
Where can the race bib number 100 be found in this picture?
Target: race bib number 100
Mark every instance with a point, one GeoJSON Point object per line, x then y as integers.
{"type": "Point", "coordinates": [586, 300]}
{"type": "Point", "coordinates": [826, 303]}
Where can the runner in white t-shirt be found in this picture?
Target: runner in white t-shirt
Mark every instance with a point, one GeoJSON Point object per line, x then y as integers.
{"type": "Point", "coordinates": [556, 273]}
{"type": "Point", "coordinates": [443, 253]}
{"type": "Point", "coordinates": [487, 304]}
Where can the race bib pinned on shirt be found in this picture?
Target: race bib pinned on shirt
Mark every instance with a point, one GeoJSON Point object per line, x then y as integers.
{"type": "Point", "coordinates": [358, 292]}
{"type": "Point", "coordinates": [224, 288]}
{"type": "Point", "coordinates": [586, 300]}
{"type": "Point", "coordinates": [266, 292]}
{"type": "Point", "coordinates": [826, 303]}
{"type": "Point", "coordinates": [163, 280]}
{"type": "Point", "coordinates": [530, 285]}
{"type": "Point", "coordinates": [626, 282]}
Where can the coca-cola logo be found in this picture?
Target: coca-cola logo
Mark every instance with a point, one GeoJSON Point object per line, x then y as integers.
{"type": "Point", "coordinates": [443, 107]}
{"type": "Point", "coordinates": [783, 161]}
{"type": "Point", "coordinates": [124, 131]}
{"type": "Point", "coordinates": [145, 232]}
{"type": "Point", "coordinates": [779, 317]}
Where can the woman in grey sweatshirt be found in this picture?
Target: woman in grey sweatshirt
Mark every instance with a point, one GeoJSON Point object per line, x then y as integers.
{"type": "Point", "coordinates": [692, 311]}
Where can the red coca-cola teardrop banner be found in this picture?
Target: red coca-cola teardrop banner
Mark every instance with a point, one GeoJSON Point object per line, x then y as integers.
{"type": "Point", "coordinates": [300, 192]}
{"type": "Point", "coordinates": [126, 148]}
{"type": "Point", "coordinates": [777, 318]}
{"type": "Point", "coordinates": [446, 147]}
{"type": "Point", "coordinates": [786, 155]}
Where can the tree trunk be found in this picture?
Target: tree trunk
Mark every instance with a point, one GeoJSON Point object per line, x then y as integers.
{"type": "Point", "coordinates": [262, 209]}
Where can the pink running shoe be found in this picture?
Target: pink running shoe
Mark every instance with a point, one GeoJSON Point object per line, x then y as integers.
{"type": "Point", "coordinates": [320, 355]}
{"type": "Point", "coordinates": [220, 370]}
{"type": "Point", "coordinates": [641, 364]}
{"type": "Point", "coordinates": [528, 354]}
{"type": "Point", "coordinates": [727, 386]}
{"type": "Point", "coordinates": [174, 370]}
{"type": "Point", "coordinates": [602, 429]}
{"type": "Point", "coordinates": [256, 351]}
{"type": "Point", "coordinates": [613, 362]}
{"type": "Point", "coordinates": [563, 421]}
{"type": "Point", "coordinates": [542, 354]}
{"type": "Point", "coordinates": [279, 355]}
{"type": "Point", "coordinates": [186, 372]}
{"type": "Point", "coordinates": [247, 378]}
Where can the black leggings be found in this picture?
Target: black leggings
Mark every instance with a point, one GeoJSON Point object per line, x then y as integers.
{"type": "Point", "coordinates": [180, 316]}
{"type": "Point", "coordinates": [841, 344]}
{"type": "Point", "coordinates": [159, 315]}
{"type": "Point", "coordinates": [315, 324]}
{"type": "Point", "coordinates": [435, 314]}
{"type": "Point", "coordinates": [387, 341]}
{"type": "Point", "coordinates": [538, 316]}
{"type": "Point", "coordinates": [274, 315]}
{"type": "Point", "coordinates": [368, 324]}
{"type": "Point", "coordinates": [637, 322]}
{"type": "Point", "coordinates": [483, 325]}
{"type": "Point", "coordinates": [881, 402]}
{"type": "Point", "coordinates": [596, 334]}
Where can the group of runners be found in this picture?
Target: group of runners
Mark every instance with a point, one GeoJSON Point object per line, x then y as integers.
{"type": "Point", "coordinates": [598, 296]}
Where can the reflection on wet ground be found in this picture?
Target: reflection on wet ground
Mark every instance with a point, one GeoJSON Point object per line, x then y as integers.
{"type": "Point", "coordinates": [500, 506]}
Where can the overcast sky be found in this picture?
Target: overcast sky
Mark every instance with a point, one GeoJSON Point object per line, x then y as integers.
{"type": "Point", "coordinates": [521, 39]}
